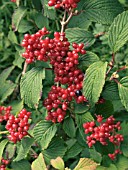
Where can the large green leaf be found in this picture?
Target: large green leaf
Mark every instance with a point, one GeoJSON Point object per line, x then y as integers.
{"type": "Point", "coordinates": [55, 149]}
{"type": "Point", "coordinates": [2, 146]}
{"type": "Point", "coordinates": [39, 163]}
{"type": "Point", "coordinates": [123, 91]}
{"type": "Point", "coordinates": [87, 164]}
{"type": "Point", "coordinates": [18, 15]}
{"type": "Point", "coordinates": [101, 11]}
{"type": "Point", "coordinates": [10, 149]}
{"type": "Point", "coordinates": [118, 33]}
{"type": "Point", "coordinates": [94, 81]}
{"type": "Point", "coordinates": [31, 86]}
{"type": "Point", "coordinates": [80, 36]}
{"type": "Point", "coordinates": [21, 165]}
{"type": "Point", "coordinates": [25, 146]}
{"type": "Point", "coordinates": [41, 21]}
{"type": "Point", "coordinates": [44, 131]}
{"type": "Point", "coordinates": [69, 127]}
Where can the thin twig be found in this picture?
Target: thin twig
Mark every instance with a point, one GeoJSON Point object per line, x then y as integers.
{"type": "Point", "coordinates": [111, 64]}
{"type": "Point", "coordinates": [99, 34]}
{"type": "Point", "coordinates": [24, 69]}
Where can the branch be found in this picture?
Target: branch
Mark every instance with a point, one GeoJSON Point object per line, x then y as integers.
{"type": "Point", "coordinates": [99, 34]}
{"type": "Point", "coordinates": [111, 64]}
{"type": "Point", "coordinates": [24, 69]}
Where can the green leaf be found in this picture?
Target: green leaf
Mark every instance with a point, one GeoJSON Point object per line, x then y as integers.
{"type": "Point", "coordinates": [10, 150]}
{"type": "Point", "coordinates": [18, 60]}
{"type": "Point", "coordinates": [3, 143]}
{"type": "Point", "coordinates": [39, 163]}
{"type": "Point", "coordinates": [79, 21]}
{"type": "Point", "coordinates": [26, 144]}
{"type": "Point", "coordinates": [49, 12]}
{"type": "Point", "coordinates": [41, 21]}
{"type": "Point", "coordinates": [44, 131]}
{"type": "Point", "coordinates": [111, 167]}
{"type": "Point", "coordinates": [12, 37]}
{"type": "Point", "coordinates": [81, 108]}
{"type": "Point", "coordinates": [83, 118]}
{"type": "Point", "coordinates": [88, 59]}
{"type": "Point", "coordinates": [123, 91]}
{"type": "Point", "coordinates": [25, 26]}
{"type": "Point", "coordinates": [5, 73]}
{"type": "Point", "coordinates": [101, 11]}
{"type": "Point", "coordinates": [118, 33]}
{"type": "Point", "coordinates": [87, 164]}
{"type": "Point", "coordinates": [73, 151]}
{"type": "Point", "coordinates": [80, 36]}
{"type": "Point", "coordinates": [94, 81]}
{"type": "Point", "coordinates": [55, 149]}
{"type": "Point", "coordinates": [111, 92]}
{"type": "Point", "coordinates": [105, 108]}
{"type": "Point", "coordinates": [58, 163]}
{"type": "Point", "coordinates": [122, 163]}
{"type": "Point", "coordinates": [18, 15]}
{"type": "Point", "coordinates": [96, 156]}
{"type": "Point", "coordinates": [69, 127]}
{"type": "Point", "coordinates": [17, 106]}
{"type": "Point", "coordinates": [37, 4]}
{"type": "Point", "coordinates": [21, 165]}
{"type": "Point", "coordinates": [124, 146]}
{"type": "Point", "coordinates": [31, 86]}
{"type": "Point", "coordinates": [6, 89]}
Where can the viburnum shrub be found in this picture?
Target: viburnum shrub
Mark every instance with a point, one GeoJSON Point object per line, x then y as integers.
{"type": "Point", "coordinates": [64, 85]}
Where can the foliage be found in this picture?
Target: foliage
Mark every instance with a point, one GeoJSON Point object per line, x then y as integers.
{"type": "Point", "coordinates": [102, 26]}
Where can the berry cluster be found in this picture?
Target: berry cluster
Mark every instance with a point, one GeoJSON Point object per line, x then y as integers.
{"type": "Point", "coordinates": [18, 126]}
{"type": "Point", "coordinates": [5, 112]}
{"type": "Point", "coordinates": [104, 132]}
{"type": "Point", "coordinates": [65, 4]}
{"type": "Point", "coordinates": [64, 62]}
{"type": "Point", "coordinates": [3, 164]}
{"type": "Point", "coordinates": [35, 46]}
{"type": "Point", "coordinates": [13, 1]}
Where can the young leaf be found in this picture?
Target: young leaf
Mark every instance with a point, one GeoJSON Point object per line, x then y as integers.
{"type": "Point", "coordinates": [69, 127]}
{"type": "Point", "coordinates": [10, 150]}
{"type": "Point", "coordinates": [39, 163]}
{"type": "Point", "coordinates": [87, 164]}
{"type": "Point", "coordinates": [18, 15]}
{"type": "Point", "coordinates": [118, 33]}
{"type": "Point", "coordinates": [94, 81]}
{"type": "Point", "coordinates": [26, 144]}
{"type": "Point", "coordinates": [101, 11]}
{"type": "Point", "coordinates": [2, 146]}
{"type": "Point", "coordinates": [56, 148]}
{"type": "Point", "coordinates": [80, 36]}
{"type": "Point", "coordinates": [21, 165]}
{"type": "Point", "coordinates": [58, 163]}
{"type": "Point", "coordinates": [123, 91]}
{"type": "Point", "coordinates": [44, 132]}
{"type": "Point", "coordinates": [31, 86]}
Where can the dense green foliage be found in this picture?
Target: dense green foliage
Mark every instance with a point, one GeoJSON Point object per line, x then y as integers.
{"type": "Point", "coordinates": [102, 25]}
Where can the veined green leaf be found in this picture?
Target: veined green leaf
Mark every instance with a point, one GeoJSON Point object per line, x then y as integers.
{"type": "Point", "coordinates": [118, 33]}
{"type": "Point", "coordinates": [94, 81]}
